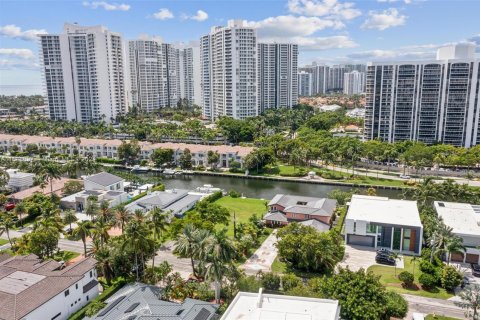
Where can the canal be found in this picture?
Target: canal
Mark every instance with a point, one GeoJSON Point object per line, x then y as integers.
{"type": "Point", "coordinates": [262, 189]}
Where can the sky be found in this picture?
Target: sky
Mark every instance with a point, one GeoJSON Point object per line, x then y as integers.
{"type": "Point", "coordinates": [327, 31]}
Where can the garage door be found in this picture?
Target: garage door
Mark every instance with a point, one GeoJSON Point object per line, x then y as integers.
{"type": "Point", "coordinates": [471, 258]}
{"type": "Point", "coordinates": [457, 257]}
{"type": "Point", "coordinates": [360, 240]}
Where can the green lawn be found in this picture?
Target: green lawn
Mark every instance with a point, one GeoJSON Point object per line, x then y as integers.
{"type": "Point", "coordinates": [66, 255]}
{"type": "Point", "coordinates": [389, 279]}
{"type": "Point", "coordinates": [281, 267]}
{"type": "Point", "coordinates": [432, 317]}
{"type": "Point", "coordinates": [243, 208]}
{"type": "Point", "coordinates": [3, 241]}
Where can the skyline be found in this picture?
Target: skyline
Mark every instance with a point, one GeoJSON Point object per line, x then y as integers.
{"type": "Point", "coordinates": [327, 31]}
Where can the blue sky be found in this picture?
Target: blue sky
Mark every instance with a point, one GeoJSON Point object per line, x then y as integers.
{"type": "Point", "coordinates": [328, 31]}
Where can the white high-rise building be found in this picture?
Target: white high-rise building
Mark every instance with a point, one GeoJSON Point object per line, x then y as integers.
{"type": "Point", "coordinates": [228, 57]}
{"type": "Point", "coordinates": [353, 82]}
{"type": "Point", "coordinates": [304, 84]}
{"type": "Point", "coordinates": [171, 74]}
{"type": "Point", "coordinates": [433, 101]}
{"type": "Point", "coordinates": [189, 62]}
{"type": "Point", "coordinates": [83, 72]}
{"type": "Point", "coordinates": [277, 75]}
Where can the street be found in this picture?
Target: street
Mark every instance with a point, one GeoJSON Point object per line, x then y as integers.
{"type": "Point", "coordinates": [430, 305]}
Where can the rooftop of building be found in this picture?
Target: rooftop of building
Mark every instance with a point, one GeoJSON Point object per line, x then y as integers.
{"type": "Point", "coordinates": [259, 306]}
{"type": "Point", "coordinates": [306, 205]}
{"type": "Point", "coordinates": [57, 186]}
{"type": "Point", "coordinates": [463, 218]}
{"type": "Point", "coordinates": [140, 302]}
{"type": "Point", "coordinates": [169, 200]}
{"type": "Point", "coordinates": [27, 282]}
{"type": "Point", "coordinates": [384, 210]}
{"type": "Point", "coordinates": [104, 179]}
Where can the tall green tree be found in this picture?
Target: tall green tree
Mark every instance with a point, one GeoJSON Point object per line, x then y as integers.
{"type": "Point", "coordinates": [83, 231]}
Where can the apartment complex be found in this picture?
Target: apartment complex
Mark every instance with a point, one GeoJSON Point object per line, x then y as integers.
{"type": "Point", "coordinates": [319, 75]}
{"type": "Point", "coordinates": [228, 58]}
{"type": "Point", "coordinates": [83, 73]}
{"type": "Point", "coordinates": [277, 75]}
{"type": "Point", "coordinates": [353, 82]}
{"type": "Point", "coordinates": [189, 66]}
{"type": "Point", "coordinates": [305, 84]}
{"type": "Point", "coordinates": [433, 101]}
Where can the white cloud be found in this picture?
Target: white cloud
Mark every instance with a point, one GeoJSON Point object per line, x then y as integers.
{"type": "Point", "coordinates": [106, 6]}
{"type": "Point", "coordinates": [8, 64]}
{"type": "Point", "coordinates": [331, 8]}
{"type": "Point", "coordinates": [288, 26]}
{"type": "Point", "coordinates": [163, 14]}
{"type": "Point", "coordinates": [392, 1]}
{"type": "Point", "coordinates": [12, 31]}
{"type": "Point", "coordinates": [199, 16]}
{"type": "Point", "coordinates": [17, 53]}
{"type": "Point", "coordinates": [146, 36]}
{"type": "Point", "coordinates": [383, 20]}
{"type": "Point", "coordinates": [384, 55]}
{"type": "Point", "coordinates": [324, 43]}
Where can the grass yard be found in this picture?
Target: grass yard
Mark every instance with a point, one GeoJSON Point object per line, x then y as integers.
{"type": "Point", "coordinates": [66, 255]}
{"type": "Point", "coordinates": [432, 317]}
{"type": "Point", "coordinates": [3, 241]}
{"type": "Point", "coordinates": [243, 208]}
{"type": "Point", "coordinates": [281, 267]}
{"type": "Point", "coordinates": [392, 283]}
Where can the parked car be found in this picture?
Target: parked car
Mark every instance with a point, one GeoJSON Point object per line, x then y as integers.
{"type": "Point", "coordinates": [476, 270]}
{"type": "Point", "coordinates": [465, 282]}
{"type": "Point", "coordinates": [382, 259]}
{"type": "Point", "coordinates": [10, 206]}
{"type": "Point", "coordinates": [384, 252]}
{"type": "Point", "coordinates": [404, 177]}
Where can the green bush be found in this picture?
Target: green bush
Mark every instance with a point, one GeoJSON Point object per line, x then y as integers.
{"type": "Point", "coordinates": [290, 281]}
{"type": "Point", "coordinates": [108, 160]}
{"type": "Point", "coordinates": [300, 173]}
{"type": "Point", "coordinates": [248, 284]}
{"type": "Point", "coordinates": [396, 305]}
{"type": "Point", "coordinates": [94, 307]}
{"type": "Point", "coordinates": [234, 194]}
{"type": "Point", "coordinates": [450, 278]}
{"type": "Point", "coordinates": [427, 267]}
{"type": "Point", "coordinates": [160, 187]}
{"type": "Point", "coordinates": [200, 168]}
{"type": "Point", "coordinates": [427, 281]}
{"type": "Point", "coordinates": [271, 281]}
{"type": "Point", "coordinates": [213, 197]}
{"type": "Point", "coordinates": [406, 277]}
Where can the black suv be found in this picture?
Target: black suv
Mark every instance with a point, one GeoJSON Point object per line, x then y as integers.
{"type": "Point", "coordinates": [384, 252]}
{"type": "Point", "coordinates": [476, 270]}
{"type": "Point", "coordinates": [385, 259]}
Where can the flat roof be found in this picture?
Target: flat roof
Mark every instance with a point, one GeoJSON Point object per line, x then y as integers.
{"type": "Point", "coordinates": [259, 306]}
{"type": "Point", "coordinates": [384, 210]}
{"type": "Point", "coordinates": [463, 218]}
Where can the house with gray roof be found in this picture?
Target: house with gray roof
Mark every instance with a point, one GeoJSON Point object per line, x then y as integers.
{"type": "Point", "coordinates": [104, 181]}
{"type": "Point", "coordinates": [174, 201]}
{"type": "Point", "coordinates": [32, 289]}
{"type": "Point", "coordinates": [138, 301]}
{"type": "Point", "coordinates": [283, 209]}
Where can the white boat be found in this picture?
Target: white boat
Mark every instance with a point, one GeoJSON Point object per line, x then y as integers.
{"type": "Point", "coordinates": [169, 171]}
{"type": "Point", "coordinates": [137, 168]}
{"type": "Point", "coordinates": [207, 189]}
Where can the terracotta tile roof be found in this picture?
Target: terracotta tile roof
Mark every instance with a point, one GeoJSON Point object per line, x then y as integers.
{"type": "Point", "coordinates": [58, 185]}
{"type": "Point", "coordinates": [14, 306]}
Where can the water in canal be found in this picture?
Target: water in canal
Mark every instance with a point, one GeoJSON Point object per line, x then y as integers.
{"type": "Point", "coordinates": [262, 189]}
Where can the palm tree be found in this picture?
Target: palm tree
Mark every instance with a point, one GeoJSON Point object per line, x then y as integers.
{"type": "Point", "coordinates": [104, 262]}
{"type": "Point", "coordinates": [92, 207]}
{"type": "Point", "coordinates": [454, 244]}
{"type": "Point", "coordinates": [395, 256]}
{"type": "Point", "coordinates": [414, 259]}
{"type": "Point", "coordinates": [121, 215]}
{"type": "Point", "coordinates": [69, 217]}
{"type": "Point", "coordinates": [159, 223]}
{"type": "Point", "coordinates": [100, 231]}
{"type": "Point", "coordinates": [20, 210]}
{"type": "Point", "coordinates": [6, 223]}
{"type": "Point", "coordinates": [138, 215]}
{"type": "Point", "coordinates": [51, 171]}
{"type": "Point", "coordinates": [105, 213]}
{"type": "Point", "coordinates": [136, 239]}
{"type": "Point", "coordinates": [83, 230]}
{"type": "Point", "coordinates": [187, 244]}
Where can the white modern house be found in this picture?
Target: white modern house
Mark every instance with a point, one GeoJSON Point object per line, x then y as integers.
{"type": "Point", "coordinates": [260, 306]}
{"type": "Point", "coordinates": [32, 289]}
{"type": "Point", "coordinates": [18, 180]}
{"type": "Point", "coordinates": [175, 202]}
{"type": "Point", "coordinates": [380, 222]}
{"type": "Point", "coordinates": [104, 181]}
{"type": "Point", "coordinates": [464, 219]}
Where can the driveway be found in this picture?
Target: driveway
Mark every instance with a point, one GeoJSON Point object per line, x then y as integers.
{"type": "Point", "coordinates": [180, 265]}
{"type": "Point", "coordinates": [357, 257]}
{"type": "Point", "coordinates": [263, 258]}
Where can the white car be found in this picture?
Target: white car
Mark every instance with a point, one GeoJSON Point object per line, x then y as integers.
{"type": "Point", "coordinates": [418, 316]}
{"type": "Point", "coordinates": [404, 177]}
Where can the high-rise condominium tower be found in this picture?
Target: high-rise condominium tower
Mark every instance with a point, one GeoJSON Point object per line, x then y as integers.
{"type": "Point", "coordinates": [319, 77]}
{"type": "Point", "coordinates": [305, 84]}
{"type": "Point", "coordinates": [228, 58]}
{"type": "Point", "coordinates": [429, 101]}
{"type": "Point", "coordinates": [353, 82]}
{"type": "Point", "coordinates": [189, 61]}
{"type": "Point", "coordinates": [277, 75]}
{"type": "Point", "coordinates": [83, 71]}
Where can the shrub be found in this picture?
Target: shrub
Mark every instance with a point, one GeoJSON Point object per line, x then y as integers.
{"type": "Point", "coordinates": [248, 284]}
{"type": "Point", "coordinates": [406, 277]}
{"type": "Point", "coordinates": [213, 197]}
{"type": "Point", "coordinates": [234, 194]}
{"type": "Point", "coordinates": [300, 173]}
{"type": "Point", "coordinates": [450, 278]}
{"type": "Point", "coordinates": [290, 281]}
{"type": "Point", "coordinates": [94, 307]}
{"type": "Point", "coordinates": [200, 168]}
{"type": "Point", "coordinates": [427, 281]}
{"type": "Point", "coordinates": [396, 305]}
{"type": "Point", "coordinates": [427, 267]}
{"type": "Point", "coordinates": [271, 281]}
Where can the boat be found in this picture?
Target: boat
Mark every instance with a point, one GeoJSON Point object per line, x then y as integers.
{"type": "Point", "coordinates": [137, 168]}
{"type": "Point", "coordinates": [208, 189]}
{"type": "Point", "coordinates": [169, 171]}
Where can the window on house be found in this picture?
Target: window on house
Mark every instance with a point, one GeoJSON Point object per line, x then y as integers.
{"type": "Point", "coordinates": [371, 228]}
{"type": "Point", "coordinates": [87, 298]}
{"type": "Point", "coordinates": [91, 274]}
{"type": "Point", "coordinates": [301, 203]}
{"type": "Point", "coordinates": [354, 227]}
{"type": "Point", "coordinates": [67, 292]}
{"type": "Point", "coordinates": [76, 285]}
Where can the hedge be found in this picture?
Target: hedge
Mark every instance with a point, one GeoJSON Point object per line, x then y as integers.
{"type": "Point", "coordinates": [108, 160]}
{"type": "Point", "coordinates": [107, 293]}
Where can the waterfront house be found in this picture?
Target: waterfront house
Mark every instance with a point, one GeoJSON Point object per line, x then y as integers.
{"type": "Point", "coordinates": [283, 209]}
{"type": "Point", "coordinates": [380, 222]}
{"type": "Point", "coordinates": [32, 289]}
{"type": "Point", "coordinates": [18, 181]}
{"type": "Point", "coordinates": [464, 219]}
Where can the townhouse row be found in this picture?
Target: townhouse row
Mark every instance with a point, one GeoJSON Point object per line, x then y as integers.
{"type": "Point", "coordinates": [109, 148]}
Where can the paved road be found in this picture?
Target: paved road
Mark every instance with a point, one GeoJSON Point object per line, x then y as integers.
{"type": "Point", "coordinates": [64, 244]}
{"type": "Point", "coordinates": [430, 305]}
